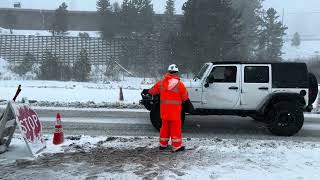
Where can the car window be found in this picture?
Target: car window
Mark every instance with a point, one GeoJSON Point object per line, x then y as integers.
{"type": "Point", "coordinates": [224, 74]}
{"type": "Point", "coordinates": [256, 74]}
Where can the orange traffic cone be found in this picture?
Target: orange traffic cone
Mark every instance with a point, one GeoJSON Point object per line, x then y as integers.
{"type": "Point", "coordinates": [58, 136]}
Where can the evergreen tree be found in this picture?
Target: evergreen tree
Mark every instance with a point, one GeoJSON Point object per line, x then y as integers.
{"type": "Point", "coordinates": [49, 68]}
{"type": "Point", "coordinates": [170, 9]}
{"type": "Point", "coordinates": [65, 71]}
{"type": "Point", "coordinates": [146, 13]}
{"type": "Point", "coordinates": [250, 11]}
{"type": "Point", "coordinates": [296, 41]}
{"type": "Point", "coordinates": [10, 20]}
{"type": "Point", "coordinates": [167, 33]}
{"type": "Point", "coordinates": [59, 25]}
{"type": "Point", "coordinates": [82, 68]}
{"type": "Point", "coordinates": [271, 37]}
{"type": "Point", "coordinates": [103, 7]}
{"type": "Point", "coordinates": [212, 32]}
{"type": "Point", "coordinates": [137, 16]}
{"type": "Point", "coordinates": [108, 24]}
{"type": "Point", "coordinates": [26, 65]}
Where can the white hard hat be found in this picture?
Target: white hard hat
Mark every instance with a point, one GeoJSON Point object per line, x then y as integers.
{"type": "Point", "coordinates": [173, 68]}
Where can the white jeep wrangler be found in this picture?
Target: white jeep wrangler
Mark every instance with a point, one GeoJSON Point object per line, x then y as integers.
{"type": "Point", "coordinates": [273, 93]}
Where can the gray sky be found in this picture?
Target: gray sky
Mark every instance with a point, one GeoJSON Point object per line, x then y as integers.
{"type": "Point", "coordinates": [299, 15]}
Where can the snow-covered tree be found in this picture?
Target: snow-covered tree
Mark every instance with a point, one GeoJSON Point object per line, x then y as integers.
{"type": "Point", "coordinates": [49, 68]}
{"type": "Point", "coordinates": [26, 64]}
{"type": "Point", "coordinates": [82, 67]}
{"type": "Point", "coordinates": [296, 40]}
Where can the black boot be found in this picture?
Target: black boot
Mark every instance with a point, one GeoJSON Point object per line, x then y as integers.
{"type": "Point", "coordinates": [162, 148]}
{"type": "Point", "coordinates": [182, 148]}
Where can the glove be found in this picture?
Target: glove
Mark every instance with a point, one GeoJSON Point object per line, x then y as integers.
{"type": "Point", "coordinates": [146, 92]}
{"type": "Point", "coordinates": [188, 106]}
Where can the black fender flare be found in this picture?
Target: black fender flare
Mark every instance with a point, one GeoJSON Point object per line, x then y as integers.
{"type": "Point", "coordinates": [278, 97]}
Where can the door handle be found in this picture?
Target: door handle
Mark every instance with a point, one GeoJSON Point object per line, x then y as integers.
{"type": "Point", "coordinates": [263, 88]}
{"type": "Point", "coordinates": [233, 88]}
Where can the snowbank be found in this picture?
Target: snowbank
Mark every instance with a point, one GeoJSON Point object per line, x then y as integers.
{"type": "Point", "coordinates": [81, 157]}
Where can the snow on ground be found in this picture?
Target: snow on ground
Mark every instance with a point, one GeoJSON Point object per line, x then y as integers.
{"type": "Point", "coordinates": [307, 49]}
{"type": "Point", "coordinates": [68, 92]}
{"type": "Point", "coordinates": [81, 157]}
{"type": "Point", "coordinates": [46, 33]}
{"type": "Point", "coordinates": [72, 94]}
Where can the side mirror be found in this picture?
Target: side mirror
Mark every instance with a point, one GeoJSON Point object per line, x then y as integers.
{"type": "Point", "coordinates": [206, 85]}
{"type": "Point", "coordinates": [210, 79]}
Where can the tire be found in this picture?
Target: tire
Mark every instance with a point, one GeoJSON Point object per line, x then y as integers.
{"type": "Point", "coordinates": [286, 119]}
{"type": "Point", "coordinates": [313, 88]}
{"type": "Point", "coordinates": [156, 119]}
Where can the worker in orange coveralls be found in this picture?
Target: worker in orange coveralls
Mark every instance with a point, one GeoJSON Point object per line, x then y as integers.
{"type": "Point", "coordinates": [172, 94]}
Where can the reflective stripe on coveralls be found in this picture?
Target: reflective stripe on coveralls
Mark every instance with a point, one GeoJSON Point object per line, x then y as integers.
{"type": "Point", "coordinates": [170, 102]}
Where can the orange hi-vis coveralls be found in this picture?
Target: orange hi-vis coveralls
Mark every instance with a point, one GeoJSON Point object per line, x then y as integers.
{"type": "Point", "coordinates": [172, 93]}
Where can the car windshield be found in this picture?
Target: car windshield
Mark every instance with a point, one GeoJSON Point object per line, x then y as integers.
{"type": "Point", "coordinates": [202, 71]}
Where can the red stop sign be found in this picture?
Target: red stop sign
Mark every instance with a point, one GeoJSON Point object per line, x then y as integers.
{"type": "Point", "coordinates": [29, 123]}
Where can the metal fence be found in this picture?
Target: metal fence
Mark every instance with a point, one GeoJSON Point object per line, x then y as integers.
{"type": "Point", "coordinates": [14, 48]}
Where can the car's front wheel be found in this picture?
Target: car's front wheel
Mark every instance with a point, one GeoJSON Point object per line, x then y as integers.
{"type": "Point", "coordinates": [155, 117]}
{"type": "Point", "coordinates": [286, 119]}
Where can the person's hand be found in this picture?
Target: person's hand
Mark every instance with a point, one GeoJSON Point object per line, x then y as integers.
{"type": "Point", "coordinates": [188, 106]}
{"type": "Point", "coordinates": [146, 92]}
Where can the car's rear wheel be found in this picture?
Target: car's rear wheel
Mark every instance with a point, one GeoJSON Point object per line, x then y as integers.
{"type": "Point", "coordinates": [286, 119]}
{"type": "Point", "coordinates": [156, 118]}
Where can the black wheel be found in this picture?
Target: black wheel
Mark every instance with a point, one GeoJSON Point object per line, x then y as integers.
{"type": "Point", "coordinates": [313, 88]}
{"type": "Point", "coordinates": [155, 117]}
{"type": "Point", "coordinates": [286, 119]}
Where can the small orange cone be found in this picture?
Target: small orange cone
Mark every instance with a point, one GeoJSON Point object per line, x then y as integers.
{"type": "Point", "coordinates": [58, 136]}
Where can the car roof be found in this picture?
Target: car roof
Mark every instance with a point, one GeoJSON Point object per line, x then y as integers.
{"type": "Point", "coordinates": [249, 62]}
